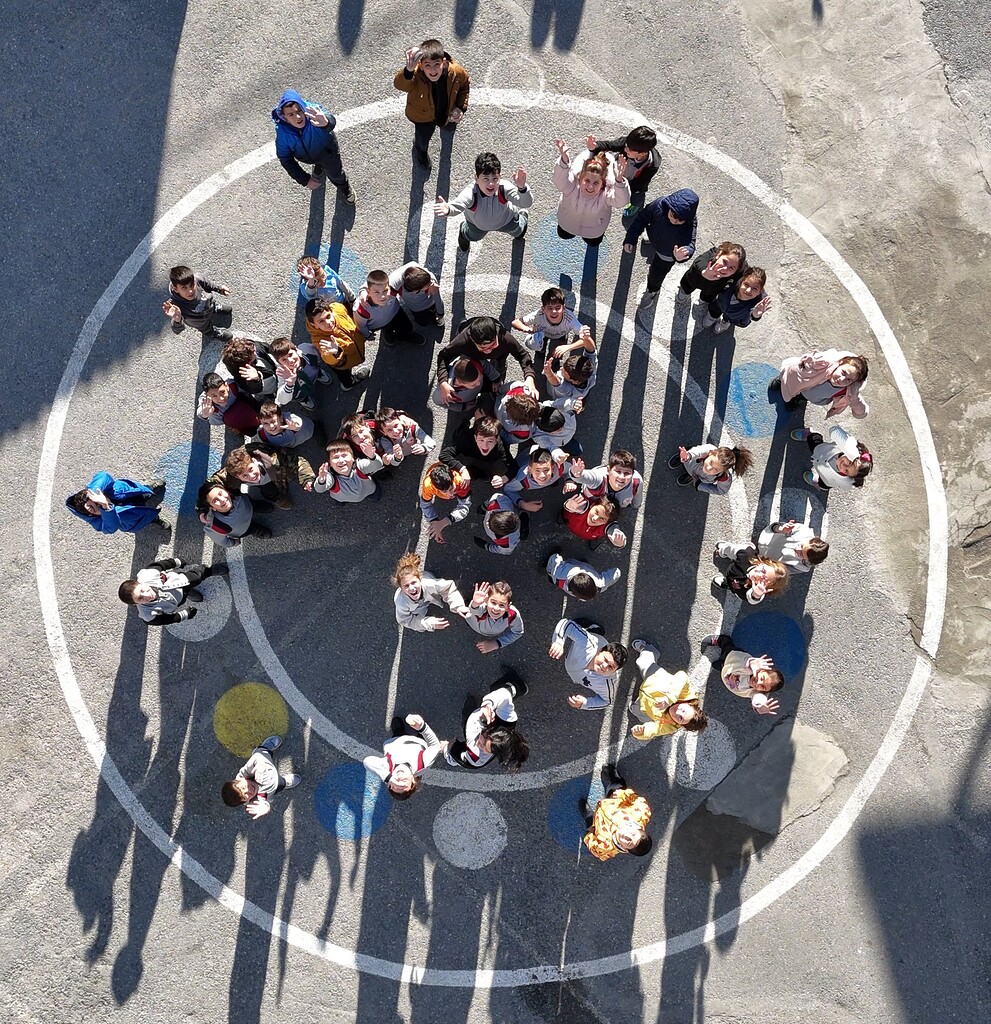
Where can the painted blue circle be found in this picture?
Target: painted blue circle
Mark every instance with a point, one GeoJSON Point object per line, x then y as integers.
{"type": "Point", "coordinates": [564, 258]}
{"type": "Point", "coordinates": [351, 802]}
{"type": "Point", "coordinates": [563, 817]}
{"type": "Point", "coordinates": [184, 468]}
{"type": "Point", "coordinates": [750, 410]}
{"type": "Point", "coordinates": [776, 635]}
{"type": "Point", "coordinates": [341, 258]}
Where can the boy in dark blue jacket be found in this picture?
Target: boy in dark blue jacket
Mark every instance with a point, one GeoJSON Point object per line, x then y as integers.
{"type": "Point", "coordinates": [671, 228]}
{"type": "Point", "coordinates": [305, 131]}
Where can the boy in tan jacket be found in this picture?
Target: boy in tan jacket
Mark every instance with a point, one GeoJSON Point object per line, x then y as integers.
{"type": "Point", "coordinates": [436, 88]}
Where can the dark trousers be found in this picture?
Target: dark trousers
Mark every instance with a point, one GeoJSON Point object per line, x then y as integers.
{"type": "Point", "coordinates": [425, 317]}
{"type": "Point", "coordinates": [330, 161]}
{"type": "Point", "coordinates": [399, 328]}
{"type": "Point", "coordinates": [423, 132]}
{"type": "Point", "coordinates": [561, 233]}
{"type": "Point", "coordinates": [346, 377]}
{"type": "Point", "coordinates": [658, 270]}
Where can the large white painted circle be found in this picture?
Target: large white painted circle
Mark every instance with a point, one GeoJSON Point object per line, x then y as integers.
{"type": "Point", "coordinates": [835, 831]}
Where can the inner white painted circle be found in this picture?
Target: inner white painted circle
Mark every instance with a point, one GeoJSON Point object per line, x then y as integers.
{"type": "Point", "coordinates": [483, 978]}
{"type": "Point", "coordinates": [470, 831]}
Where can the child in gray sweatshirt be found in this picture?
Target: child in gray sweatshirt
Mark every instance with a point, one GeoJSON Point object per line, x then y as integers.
{"type": "Point", "coordinates": [490, 203]}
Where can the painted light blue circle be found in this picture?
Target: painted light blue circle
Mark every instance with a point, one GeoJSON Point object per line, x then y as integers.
{"type": "Point", "coordinates": [750, 410]}
{"type": "Point", "coordinates": [563, 817]}
{"type": "Point", "coordinates": [341, 258]}
{"type": "Point", "coordinates": [184, 468]}
{"type": "Point", "coordinates": [351, 802]}
{"type": "Point", "coordinates": [776, 635]}
{"type": "Point", "coordinates": [569, 258]}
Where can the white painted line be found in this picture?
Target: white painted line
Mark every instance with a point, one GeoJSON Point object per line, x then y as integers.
{"type": "Point", "coordinates": [838, 828]}
{"type": "Point", "coordinates": [485, 781]}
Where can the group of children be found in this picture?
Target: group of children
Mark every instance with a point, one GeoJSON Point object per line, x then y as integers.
{"type": "Point", "coordinates": [513, 442]}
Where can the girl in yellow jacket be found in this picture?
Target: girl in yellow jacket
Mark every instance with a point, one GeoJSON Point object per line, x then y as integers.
{"type": "Point", "coordinates": [664, 703]}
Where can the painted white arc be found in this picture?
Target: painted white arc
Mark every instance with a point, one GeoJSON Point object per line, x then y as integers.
{"type": "Point", "coordinates": [838, 828]}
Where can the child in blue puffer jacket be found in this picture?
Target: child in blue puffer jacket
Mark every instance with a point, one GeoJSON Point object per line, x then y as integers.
{"type": "Point", "coordinates": [109, 504]}
{"type": "Point", "coordinates": [671, 226]}
{"type": "Point", "coordinates": [305, 131]}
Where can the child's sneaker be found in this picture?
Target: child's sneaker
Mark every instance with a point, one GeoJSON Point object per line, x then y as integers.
{"type": "Point", "coordinates": [346, 192]}
{"type": "Point", "coordinates": [271, 743]}
{"type": "Point", "coordinates": [640, 646]}
{"type": "Point", "coordinates": [291, 781]}
{"type": "Point", "coordinates": [675, 461]}
{"type": "Point", "coordinates": [308, 404]}
{"type": "Point", "coordinates": [284, 502]}
{"type": "Point", "coordinates": [162, 524]}
{"type": "Point", "coordinates": [714, 642]}
{"type": "Point", "coordinates": [357, 376]}
{"type": "Point", "coordinates": [439, 321]}
{"type": "Point", "coordinates": [649, 298]}
{"type": "Point", "coordinates": [464, 243]}
{"type": "Point", "coordinates": [810, 478]}
{"type": "Point", "coordinates": [262, 532]}
{"type": "Point", "coordinates": [515, 681]}
{"type": "Point", "coordinates": [707, 318]}
{"type": "Point", "coordinates": [684, 479]}
{"type": "Point", "coordinates": [720, 581]}
{"type": "Point", "coordinates": [723, 325]}
{"type": "Point", "coordinates": [800, 434]}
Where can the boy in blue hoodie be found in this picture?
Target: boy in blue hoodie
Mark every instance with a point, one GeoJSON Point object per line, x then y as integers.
{"type": "Point", "coordinates": [305, 131]}
{"type": "Point", "coordinates": [671, 228]}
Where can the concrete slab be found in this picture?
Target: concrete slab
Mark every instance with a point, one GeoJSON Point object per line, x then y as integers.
{"type": "Point", "coordinates": [785, 777]}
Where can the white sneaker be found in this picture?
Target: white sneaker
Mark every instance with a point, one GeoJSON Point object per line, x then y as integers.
{"type": "Point", "coordinates": [642, 646]}
{"type": "Point", "coordinates": [291, 781]}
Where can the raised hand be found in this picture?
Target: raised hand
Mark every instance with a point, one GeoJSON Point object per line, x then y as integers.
{"type": "Point", "coordinates": [766, 706]}
{"type": "Point", "coordinates": [681, 252]}
{"type": "Point", "coordinates": [205, 407]}
{"type": "Point", "coordinates": [762, 307]}
{"type": "Point", "coordinates": [248, 373]}
{"type": "Point", "coordinates": [556, 650]}
{"type": "Point", "coordinates": [577, 701]}
{"type": "Point", "coordinates": [621, 163]}
{"type": "Point", "coordinates": [590, 142]}
{"type": "Point", "coordinates": [316, 117]}
{"type": "Point", "coordinates": [519, 178]}
{"type": "Point", "coordinates": [562, 151]}
{"type": "Point", "coordinates": [415, 722]}
{"type": "Point", "coordinates": [481, 594]}
{"type": "Point", "coordinates": [618, 539]}
{"type": "Point", "coordinates": [441, 208]}
{"type": "Point", "coordinates": [171, 310]}
{"type": "Point", "coordinates": [412, 58]}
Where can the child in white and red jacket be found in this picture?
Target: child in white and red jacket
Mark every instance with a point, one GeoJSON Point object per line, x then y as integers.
{"type": "Point", "coordinates": [579, 579]}
{"type": "Point", "coordinates": [542, 470]}
{"type": "Point", "coordinates": [378, 309]}
{"type": "Point", "coordinates": [412, 750]}
{"type": "Point", "coordinates": [348, 478]}
{"type": "Point", "coordinates": [490, 730]}
{"type": "Point", "coordinates": [711, 469]}
{"type": "Point", "coordinates": [493, 616]}
{"type": "Point", "coordinates": [398, 433]}
{"type": "Point", "coordinates": [419, 294]}
{"type": "Point", "coordinates": [505, 527]}
{"type": "Point", "coordinates": [842, 462]}
{"type": "Point", "coordinates": [257, 780]}
{"type": "Point", "coordinates": [417, 590]}
{"type": "Point", "coordinates": [618, 480]}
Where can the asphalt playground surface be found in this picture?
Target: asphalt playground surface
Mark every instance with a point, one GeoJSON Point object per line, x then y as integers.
{"type": "Point", "coordinates": [848, 148]}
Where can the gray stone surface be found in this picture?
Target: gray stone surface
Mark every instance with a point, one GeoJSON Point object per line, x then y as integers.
{"type": "Point", "coordinates": [858, 113]}
{"type": "Point", "coordinates": [785, 777]}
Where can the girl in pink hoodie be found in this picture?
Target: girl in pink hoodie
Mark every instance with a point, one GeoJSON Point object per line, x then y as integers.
{"type": "Point", "coordinates": [591, 188]}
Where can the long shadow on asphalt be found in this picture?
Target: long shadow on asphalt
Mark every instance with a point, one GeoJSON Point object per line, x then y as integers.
{"type": "Point", "coordinates": [928, 879]}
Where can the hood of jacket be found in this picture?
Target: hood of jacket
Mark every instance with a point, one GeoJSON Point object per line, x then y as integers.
{"type": "Point", "coordinates": [289, 96]}
{"type": "Point", "coordinates": [684, 204]}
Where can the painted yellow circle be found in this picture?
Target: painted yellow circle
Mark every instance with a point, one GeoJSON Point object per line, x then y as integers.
{"type": "Point", "coordinates": [246, 714]}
